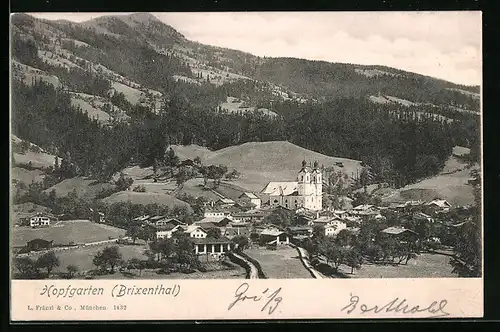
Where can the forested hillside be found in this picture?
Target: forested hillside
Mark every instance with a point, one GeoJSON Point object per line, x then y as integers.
{"type": "Point", "coordinates": [321, 106]}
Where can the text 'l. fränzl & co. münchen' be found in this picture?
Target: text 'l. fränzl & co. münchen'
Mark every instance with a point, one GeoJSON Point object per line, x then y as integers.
{"type": "Point", "coordinates": [118, 290]}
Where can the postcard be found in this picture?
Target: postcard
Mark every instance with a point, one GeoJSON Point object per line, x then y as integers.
{"type": "Point", "coordinates": [246, 166]}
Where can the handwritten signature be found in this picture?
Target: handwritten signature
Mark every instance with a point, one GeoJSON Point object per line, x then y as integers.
{"type": "Point", "coordinates": [398, 305]}
{"type": "Point", "coordinates": [273, 300]}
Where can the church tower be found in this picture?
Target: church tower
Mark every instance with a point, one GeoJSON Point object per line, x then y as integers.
{"type": "Point", "coordinates": [304, 180]}
{"type": "Point", "coordinates": [318, 187]}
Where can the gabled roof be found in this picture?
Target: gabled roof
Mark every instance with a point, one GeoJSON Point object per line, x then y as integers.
{"type": "Point", "coordinates": [363, 207]}
{"type": "Point", "coordinates": [212, 220]}
{"type": "Point", "coordinates": [249, 195]}
{"type": "Point", "coordinates": [142, 218]}
{"type": "Point", "coordinates": [397, 230]}
{"type": "Point", "coordinates": [156, 218]}
{"type": "Point", "coordinates": [167, 227]}
{"type": "Point", "coordinates": [276, 188]}
{"type": "Point", "coordinates": [272, 232]}
{"type": "Point", "coordinates": [225, 200]}
{"type": "Point", "coordinates": [440, 203]}
{"type": "Point", "coordinates": [192, 228]}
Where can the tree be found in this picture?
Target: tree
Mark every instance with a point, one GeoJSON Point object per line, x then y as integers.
{"type": "Point", "coordinates": [123, 183]}
{"type": "Point", "coordinates": [318, 232]}
{"type": "Point", "coordinates": [241, 242]}
{"type": "Point", "coordinates": [72, 269]}
{"type": "Point", "coordinates": [136, 263]}
{"type": "Point", "coordinates": [26, 267]}
{"type": "Point", "coordinates": [214, 233]}
{"type": "Point", "coordinates": [170, 159]}
{"type": "Point", "coordinates": [109, 256]}
{"type": "Point", "coordinates": [166, 248]}
{"type": "Point", "coordinates": [48, 261]}
{"type": "Point", "coordinates": [353, 259]}
{"type": "Point", "coordinates": [333, 253]}
{"type": "Point", "coordinates": [134, 231]}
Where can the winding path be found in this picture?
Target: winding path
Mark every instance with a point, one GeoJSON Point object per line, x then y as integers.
{"type": "Point", "coordinates": [304, 257]}
{"type": "Point", "coordinates": [253, 270]}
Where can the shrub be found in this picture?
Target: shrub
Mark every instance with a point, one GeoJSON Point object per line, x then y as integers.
{"type": "Point", "coordinates": [140, 189]}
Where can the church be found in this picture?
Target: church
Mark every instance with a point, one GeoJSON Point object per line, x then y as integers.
{"type": "Point", "coordinates": [306, 192]}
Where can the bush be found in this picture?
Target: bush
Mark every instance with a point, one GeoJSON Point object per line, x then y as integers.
{"type": "Point", "coordinates": [140, 189]}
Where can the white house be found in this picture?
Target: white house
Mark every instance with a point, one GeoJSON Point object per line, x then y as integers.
{"type": "Point", "coordinates": [250, 198]}
{"type": "Point", "coordinates": [306, 192]}
{"type": "Point", "coordinates": [166, 232]}
{"type": "Point", "coordinates": [39, 220]}
{"type": "Point", "coordinates": [196, 231]}
{"type": "Point", "coordinates": [439, 204]}
{"type": "Point", "coordinates": [334, 227]}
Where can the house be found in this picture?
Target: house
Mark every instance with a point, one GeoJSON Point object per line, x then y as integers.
{"type": "Point", "coordinates": [39, 220]}
{"type": "Point", "coordinates": [142, 219]}
{"type": "Point", "coordinates": [196, 231]}
{"type": "Point", "coordinates": [423, 216]}
{"type": "Point", "coordinates": [438, 205]}
{"type": "Point", "coordinates": [225, 202]}
{"type": "Point", "coordinates": [210, 246]}
{"type": "Point", "coordinates": [300, 230]}
{"type": "Point", "coordinates": [166, 231]}
{"type": "Point", "coordinates": [323, 221]}
{"type": "Point", "coordinates": [231, 232]}
{"type": "Point", "coordinates": [250, 216]}
{"type": "Point", "coordinates": [250, 198]}
{"type": "Point", "coordinates": [216, 214]}
{"type": "Point", "coordinates": [164, 221]}
{"type": "Point", "coordinates": [334, 227]}
{"type": "Point", "coordinates": [401, 233]}
{"type": "Point", "coordinates": [217, 221]}
{"type": "Point", "coordinates": [273, 236]}
{"type": "Point", "coordinates": [306, 192]}
{"type": "Point", "coordinates": [39, 244]}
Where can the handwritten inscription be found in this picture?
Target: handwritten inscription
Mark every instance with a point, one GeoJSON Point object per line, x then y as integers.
{"type": "Point", "coordinates": [397, 305]}
{"type": "Point", "coordinates": [270, 299]}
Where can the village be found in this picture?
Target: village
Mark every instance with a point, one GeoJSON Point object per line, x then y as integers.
{"type": "Point", "coordinates": [283, 231]}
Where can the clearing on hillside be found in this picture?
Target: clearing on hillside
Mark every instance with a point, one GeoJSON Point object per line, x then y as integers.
{"type": "Point", "coordinates": [37, 159]}
{"type": "Point", "coordinates": [27, 176]}
{"type": "Point", "coordinates": [65, 232]}
{"type": "Point", "coordinates": [146, 198]}
{"type": "Point", "coordinates": [85, 187]}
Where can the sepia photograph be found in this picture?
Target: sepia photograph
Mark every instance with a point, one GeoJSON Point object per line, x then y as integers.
{"type": "Point", "coordinates": [249, 145]}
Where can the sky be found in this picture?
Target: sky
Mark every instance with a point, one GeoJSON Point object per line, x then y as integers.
{"type": "Point", "coordinates": [445, 45]}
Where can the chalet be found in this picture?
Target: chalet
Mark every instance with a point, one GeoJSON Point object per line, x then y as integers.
{"type": "Point", "coordinates": [39, 244]}
{"type": "Point", "coordinates": [401, 233]}
{"type": "Point", "coordinates": [231, 232]}
{"type": "Point", "coordinates": [216, 214]}
{"type": "Point", "coordinates": [250, 198]}
{"type": "Point", "coordinates": [142, 219]}
{"type": "Point", "coordinates": [300, 230]}
{"type": "Point", "coordinates": [164, 221]}
{"type": "Point", "coordinates": [166, 231]}
{"type": "Point", "coordinates": [438, 205]}
{"type": "Point", "coordinates": [196, 231]}
{"type": "Point", "coordinates": [273, 236]}
{"type": "Point", "coordinates": [423, 216]}
{"type": "Point", "coordinates": [210, 246]}
{"type": "Point", "coordinates": [250, 216]}
{"type": "Point", "coordinates": [334, 227]}
{"type": "Point", "coordinates": [224, 202]}
{"type": "Point", "coordinates": [217, 221]}
{"type": "Point", "coordinates": [39, 220]}
{"type": "Point", "coordinates": [323, 221]}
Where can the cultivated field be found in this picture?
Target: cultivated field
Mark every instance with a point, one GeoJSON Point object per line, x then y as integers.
{"type": "Point", "coordinates": [65, 232]}
{"type": "Point", "coordinates": [424, 266]}
{"type": "Point", "coordinates": [283, 263]}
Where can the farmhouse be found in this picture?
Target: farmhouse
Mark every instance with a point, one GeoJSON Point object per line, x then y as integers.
{"type": "Point", "coordinates": [273, 236]}
{"type": "Point", "coordinates": [225, 202]}
{"type": "Point", "coordinates": [166, 231]}
{"type": "Point", "coordinates": [250, 198]}
{"type": "Point", "coordinates": [300, 230]}
{"type": "Point", "coordinates": [438, 205]}
{"type": "Point", "coordinates": [217, 221]}
{"type": "Point", "coordinates": [334, 227]}
{"type": "Point", "coordinates": [306, 192]}
{"type": "Point", "coordinates": [39, 220]}
{"type": "Point", "coordinates": [401, 233]}
{"type": "Point", "coordinates": [216, 213]}
{"type": "Point", "coordinates": [196, 231]}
